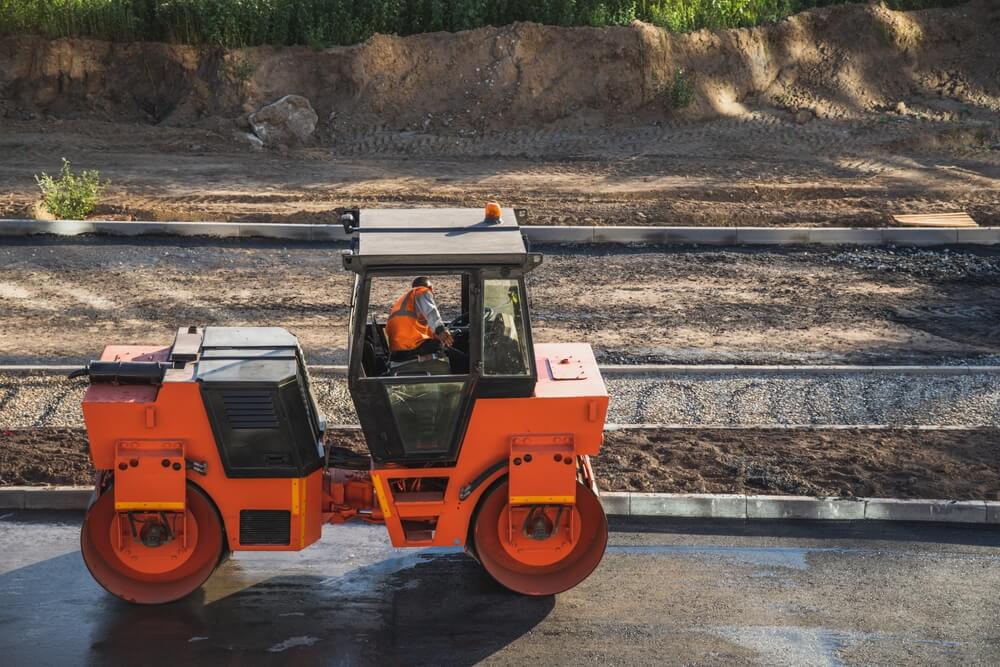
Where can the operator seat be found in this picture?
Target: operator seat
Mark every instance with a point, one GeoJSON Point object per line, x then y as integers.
{"type": "Point", "coordinates": [375, 353]}
{"type": "Point", "coordinates": [428, 364]}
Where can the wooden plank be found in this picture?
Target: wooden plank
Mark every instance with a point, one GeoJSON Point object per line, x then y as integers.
{"type": "Point", "coordinates": [953, 219]}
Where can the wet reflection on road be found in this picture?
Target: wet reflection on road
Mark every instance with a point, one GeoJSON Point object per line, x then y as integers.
{"type": "Point", "coordinates": [351, 600]}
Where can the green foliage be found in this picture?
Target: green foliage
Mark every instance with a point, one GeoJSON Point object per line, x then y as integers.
{"type": "Point", "coordinates": [679, 92]}
{"type": "Point", "coordinates": [321, 23]}
{"type": "Point", "coordinates": [71, 196]}
{"type": "Point", "coordinates": [240, 70]}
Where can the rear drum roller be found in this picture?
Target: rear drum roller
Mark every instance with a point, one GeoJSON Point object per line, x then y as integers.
{"type": "Point", "coordinates": [544, 575]}
{"type": "Point", "coordinates": [152, 573]}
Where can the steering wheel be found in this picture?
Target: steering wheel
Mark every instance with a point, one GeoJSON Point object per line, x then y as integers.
{"type": "Point", "coordinates": [462, 320]}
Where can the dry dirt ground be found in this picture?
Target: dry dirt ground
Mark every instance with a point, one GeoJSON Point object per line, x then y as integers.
{"type": "Point", "coordinates": [64, 299]}
{"type": "Point", "coordinates": [899, 464]}
{"type": "Point", "coordinates": [961, 465]}
{"type": "Point", "coordinates": [762, 169]}
{"type": "Point", "coordinates": [838, 116]}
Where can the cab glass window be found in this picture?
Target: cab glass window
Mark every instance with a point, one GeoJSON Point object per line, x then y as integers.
{"type": "Point", "coordinates": [426, 414]}
{"type": "Point", "coordinates": [505, 345]}
{"type": "Point", "coordinates": [378, 359]}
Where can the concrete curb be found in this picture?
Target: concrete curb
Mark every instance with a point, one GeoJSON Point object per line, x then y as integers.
{"type": "Point", "coordinates": [750, 507]}
{"type": "Point", "coordinates": [792, 427]}
{"type": "Point", "coordinates": [229, 230]}
{"type": "Point", "coordinates": [805, 369]}
{"type": "Point", "coordinates": [45, 498]}
{"type": "Point", "coordinates": [579, 235]}
{"type": "Point", "coordinates": [677, 505]}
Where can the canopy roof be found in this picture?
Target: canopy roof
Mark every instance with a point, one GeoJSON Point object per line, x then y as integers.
{"type": "Point", "coordinates": [437, 237]}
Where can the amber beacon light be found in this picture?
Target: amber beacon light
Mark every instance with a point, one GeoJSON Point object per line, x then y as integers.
{"type": "Point", "coordinates": [492, 212]}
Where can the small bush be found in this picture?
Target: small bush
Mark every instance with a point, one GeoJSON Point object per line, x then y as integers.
{"type": "Point", "coordinates": [679, 93]}
{"type": "Point", "coordinates": [71, 196]}
{"type": "Point", "coordinates": [240, 70]}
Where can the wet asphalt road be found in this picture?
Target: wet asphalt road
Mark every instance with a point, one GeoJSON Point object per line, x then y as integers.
{"type": "Point", "coordinates": [667, 593]}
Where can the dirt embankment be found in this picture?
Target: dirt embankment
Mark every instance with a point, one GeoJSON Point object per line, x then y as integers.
{"type": "Point", "coordinates": [960, 465]}
{"type": "Point", "coordinates": [836, 62]}
{"type": "Point", "coordinates": [835, 117]}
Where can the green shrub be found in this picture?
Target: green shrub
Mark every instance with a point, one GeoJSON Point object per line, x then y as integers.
{"type": "Point", "coordinates": [319, 23]}
{"type": "Point", "coordinates": [679, 93]}
{"type": "Point", "coordinates": [71, 196]}
{"type": "Point", "coordinates": [240, 70]}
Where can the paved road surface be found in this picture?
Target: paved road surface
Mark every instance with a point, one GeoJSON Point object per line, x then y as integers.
{"type": "Point", "coordinates": [692, 593]}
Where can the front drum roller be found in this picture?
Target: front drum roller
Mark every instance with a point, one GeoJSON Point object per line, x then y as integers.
{"type": "Point", "coordinates": [136, 573]}
{"type": "Point", "coordinates": [491, 545]}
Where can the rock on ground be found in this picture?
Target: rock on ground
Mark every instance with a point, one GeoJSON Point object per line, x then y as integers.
{"type": "Point", "coordinates": [250, 139]}
{"type": "Point", "coordinates": [289, 121]}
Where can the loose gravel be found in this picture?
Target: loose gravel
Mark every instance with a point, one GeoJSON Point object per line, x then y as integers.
{"type": "Point", "coordinates": [763, 399]}
{"type": "Point", "coordinates": [932, 264]}
{"type": "Point", "coordinates": [751, 398]}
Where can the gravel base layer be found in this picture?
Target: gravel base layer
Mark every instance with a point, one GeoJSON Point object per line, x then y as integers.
{"type": "Point", "coordinates": [960, 465]}
{"type": "Point", "coordinates": [755, 399]}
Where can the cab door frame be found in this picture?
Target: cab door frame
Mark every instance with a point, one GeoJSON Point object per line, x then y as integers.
{"type": "Point", "coordinates": [371, 394]}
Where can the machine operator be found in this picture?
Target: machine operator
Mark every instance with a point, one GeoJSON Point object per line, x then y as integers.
{"type": "Point", "coordinates": [415, 328]}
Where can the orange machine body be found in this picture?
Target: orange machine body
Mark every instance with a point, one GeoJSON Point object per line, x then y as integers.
{"type": "Point", "coordinates": [564, 418]}
{"type": "Point", "coordinates": [216, 444]}
{"type": "Point", "coordinates": [174, 412]}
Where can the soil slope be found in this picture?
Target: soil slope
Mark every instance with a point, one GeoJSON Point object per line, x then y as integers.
{"type": "Point", "coordinates": [838, 116]}
{"type": "Point", "coordinates": [835, 62]}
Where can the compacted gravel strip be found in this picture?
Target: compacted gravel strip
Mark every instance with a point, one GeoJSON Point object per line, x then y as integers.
{"type": "Point", "coordinates": [766, 398]}
{"type": "Point", "coordinates": [751, 398]}
{"type": "Point", "coordinates": [28, 401]}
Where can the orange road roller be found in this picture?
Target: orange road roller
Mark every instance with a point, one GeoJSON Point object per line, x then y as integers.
{"type": "Point", "coordinates": [215, 443]}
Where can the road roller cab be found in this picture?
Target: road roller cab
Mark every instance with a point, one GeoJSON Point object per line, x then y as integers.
{"type": "Point", "coordinates": [215, 443]}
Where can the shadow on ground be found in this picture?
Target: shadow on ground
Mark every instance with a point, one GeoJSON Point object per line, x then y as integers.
{"type": "Point", "coordinates": [437, 609]}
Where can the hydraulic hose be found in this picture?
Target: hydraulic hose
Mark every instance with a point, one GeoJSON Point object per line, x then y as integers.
{"type": "Point", "coordinates": [123, 372]}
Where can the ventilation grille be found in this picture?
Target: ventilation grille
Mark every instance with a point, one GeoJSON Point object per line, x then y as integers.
{"type": "Point", "coordinates": [250, 409]}
{"type": "Point", "coordinates": [265, 527]}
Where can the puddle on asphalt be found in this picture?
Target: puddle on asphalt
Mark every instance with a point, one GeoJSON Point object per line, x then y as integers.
{"type": "Point", "coordinates": [293, 642]}
{"type": "Point", "coordinates": [808, 647]}
{"type": "Point", "coordinates": [362, 579]}
{"type": "Point", "coordinates": [790, 645]}
{"type": "Point", "coordinates": [794, 558]}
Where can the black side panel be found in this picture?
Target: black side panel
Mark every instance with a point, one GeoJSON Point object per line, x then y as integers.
{"type": "Point", "coordinates": [265, 527]}
{"type": "Point", "coordinates": [256, 391]}
{"type": "Point", "coordinates": [262, 430]}
{"type": "Point", "coordinates": [249, 409]}
{"type": "Point", "coordinates": [506, 387]}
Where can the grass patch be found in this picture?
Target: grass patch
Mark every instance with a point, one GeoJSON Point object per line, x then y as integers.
{"type": "Point", "coordinates": [322, 23]}
{"type": "Point", "coordinates": [71, 196]}
{"type": "Point", "coordinates": [679, 92]}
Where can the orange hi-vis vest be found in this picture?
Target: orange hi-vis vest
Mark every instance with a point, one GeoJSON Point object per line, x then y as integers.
{"type": "Point", "coordinates": [406, 328]}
